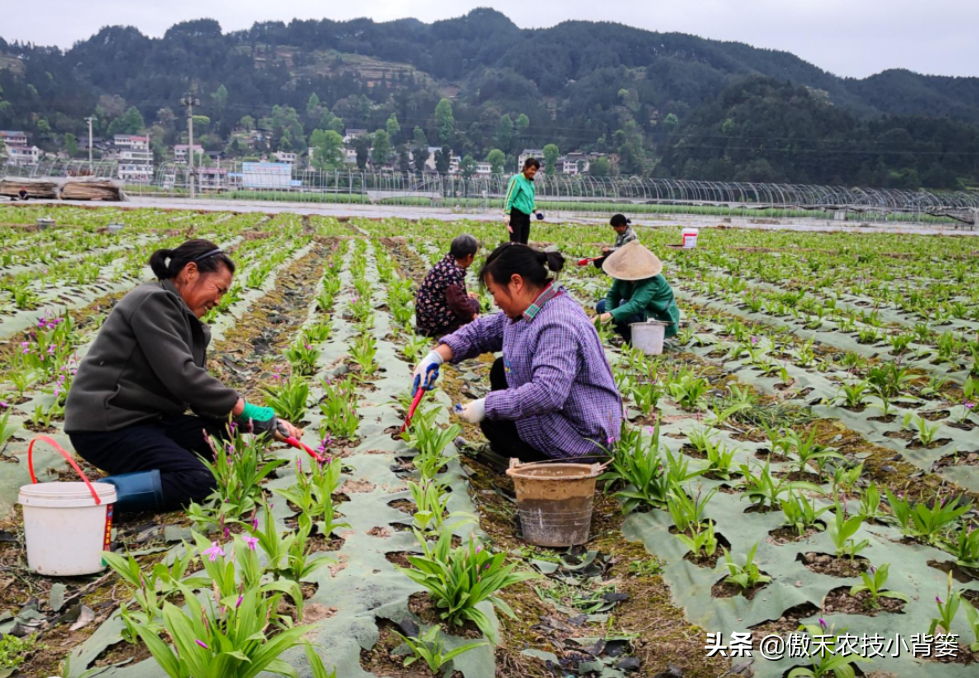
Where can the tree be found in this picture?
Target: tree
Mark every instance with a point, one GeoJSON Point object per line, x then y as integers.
{"type": "Point", "coordinates": [523, 122]}
{"type": "Point", "coordinates": [599, 167]}
{"type": "Point", "coordinates": [468, 167]}
{"type": "Point", "coordinates": [551, 154]}
{"type": "Point", "coordinates": [220, 97]}
{"type": "Point", "coordinates": [313, 105]}
{"type": "Point", "coordinates": [327, 149]}
{"type": "Point", "coordinates": [129, 122]}
{"type": "Point", "coordinates": [330, 121]}
{"type": "Point", "coordinates": [71, 144]}
{"type": "Point", "coordinates": [443, 160]}
{"type": "Point", "coordinates": [201, 122]}
{"type": "Point", "coordinates": [393, 127]}
{"type": "Point", "coordinates": [421, 141]}
{"type": "Point", "coordinates": [670, 122]}
{"type": "Point", "coordinates": [444, 121]}
{"type": "Point", "coordinates": [404, 159]}
{"type": "Point", "coordinates": [381, 152]}
{"type": "Point", "coordinates": [362, 145]}
{"type": "Point", "coordinates": [629, 144]}
{"type": "Point", "coordinates": [419, 158]}
{"type": "Point", "coordinates": [247, 123]}
{"type": "Point", "coordinates": [496, 159]}
{"type": "Point", "coordinates": [504, 132]}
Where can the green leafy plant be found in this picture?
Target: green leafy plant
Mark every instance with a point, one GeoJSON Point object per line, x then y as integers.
{"type": "Point", "coordinates": [807, 449]}
{"type": "Point", "coordinates": [826, 662]}
{"type": "Point", "coordinates": [339, 409]}
{"type": "Point", "coordinates": [302, 356]}
{"type": "Point", "coordinates": [430, 441]}
{"type": "Point", "coordinates": [924, 431]}
{"type": "Point", "coordinates": [702, 544]}
{"type": "Point", "coordinates": [14, 651]}
{"type": "Point", "coordinates": [873, 583]}
{"type": "Point", "coordinates": [429, 648]}
{"type": "Point", "coordinates": [802, 514]}
{"type": "Point", "coordinates": [459, 579]}
{"type": "Point", "coordinates": [364, 352]}
{"type": "Point", "coordinates": [765, 490]}
{"type": "Point", "coordinates": [431, 514]}
{"type": "Point", "coordinates": [842, 530]}
{"type": "Point", "coordinates": [745, 575]}
{"type": "Point", "coordinates": [947, 609]}
{"type": "Point", "coordinates": [687, 512]}
{"type": "Point", "coordinates": [688, 391]}
{"type": "Point", "coordinates": [289, 399]}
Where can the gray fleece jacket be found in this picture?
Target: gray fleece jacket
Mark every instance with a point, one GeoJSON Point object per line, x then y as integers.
{"type": "Point", "coordinates": [146, 362]}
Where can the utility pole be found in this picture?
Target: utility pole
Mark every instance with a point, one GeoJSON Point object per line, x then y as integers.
{"type": "Point", "coordinates": [189, 101]}
{"type": "Point", "coordinates": [89, 119]}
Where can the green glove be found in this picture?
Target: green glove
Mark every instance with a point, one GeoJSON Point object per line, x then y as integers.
{"type": "Point", "coordinates": [262, 418]}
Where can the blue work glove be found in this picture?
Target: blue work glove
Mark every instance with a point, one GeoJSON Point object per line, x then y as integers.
{"type": "Point", "coordinates": [427, 372]}
{"type": "Point", "coordinates": [262, 419]}
{"type": "Point", "coordinates": [540, 216]}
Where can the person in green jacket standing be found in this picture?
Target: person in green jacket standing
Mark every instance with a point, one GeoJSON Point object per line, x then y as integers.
{"type": "Point", "coordinates": [639, 292]}
{"type": "Point", "coordinates": [519, 203]}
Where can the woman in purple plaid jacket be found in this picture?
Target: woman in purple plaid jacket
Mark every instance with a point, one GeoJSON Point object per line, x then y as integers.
{"type": "Point", "coordinates": [552, 392]}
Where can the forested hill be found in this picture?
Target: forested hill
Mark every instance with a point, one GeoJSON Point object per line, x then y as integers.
{"type": "Point", "coordinates": [578, 83]}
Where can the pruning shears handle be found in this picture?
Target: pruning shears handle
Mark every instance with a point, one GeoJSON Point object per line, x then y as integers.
{"type": "Point", "coordinates": [306, 448]}
{"type": "Point", "coordinates": [419, 394]}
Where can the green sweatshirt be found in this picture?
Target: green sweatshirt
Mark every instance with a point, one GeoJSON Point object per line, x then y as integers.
{"type": "Point", "coordinates": [519, 195]}
{"type": "Point", "coordinates": [649, 298]}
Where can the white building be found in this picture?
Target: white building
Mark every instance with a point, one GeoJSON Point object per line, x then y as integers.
{"type": "Point", "coordinates": [430, 161]}
{"type": "Point", "coordinates": [180, 151]}
{"type": "Point", "coordinates": [23, 155]}
{"type": "Point", "coordinates": [350, 134]}
{"type": "Point", "coordinates": [135, 158]}
{"type": "Point", "coordinates": [211, 177]}
{"type": "Point", "coordinates": [13, 138]}
{"type": "Point", "coordinates": [282, 156]}
{"type": "Point", "coordinates": [484, 168]}
{"type": "Point", "coordinates": [574, 164]}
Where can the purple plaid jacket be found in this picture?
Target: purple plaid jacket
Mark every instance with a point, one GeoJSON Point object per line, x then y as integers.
{"type": "Point", "coordinates": [561, 392]}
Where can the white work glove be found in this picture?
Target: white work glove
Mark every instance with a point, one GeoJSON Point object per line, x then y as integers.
{"type": "Point", "coordinates": [473, 412]}
{"type": "Point", "coordinates": [427, 372]}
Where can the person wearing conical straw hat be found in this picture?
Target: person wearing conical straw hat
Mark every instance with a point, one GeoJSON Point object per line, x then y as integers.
{"type": "Point", "coordinates": [639, 292]}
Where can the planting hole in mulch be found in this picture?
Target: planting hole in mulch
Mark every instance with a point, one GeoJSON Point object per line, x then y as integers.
{"type": "Point", "coordinates": [823, 563]}
{"type": "Point", "coordinates": [421, 605]}
{"type": "Point", "coordinates": [960, 574]}
{"type": "Point", "coordinates": [840, 601]}
{"type": "Point", "coordinates": [386, 657]}
{"type": "Point", "coordinates": [786, 624]}
{"type": "Point", "coordinates": [788, 534]}
{"type": "Point", "coordinates": [724, 590]}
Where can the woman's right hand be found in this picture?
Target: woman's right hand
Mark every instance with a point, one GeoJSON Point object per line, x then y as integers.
{"type": "Point", "coordinates": [506, 220]}
{"type": "Point", "coordinates": [286, 430]}
{"type": "Point", "coordinates": [426, 372]}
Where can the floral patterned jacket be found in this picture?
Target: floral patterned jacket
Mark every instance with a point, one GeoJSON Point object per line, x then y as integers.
{"type": "Point", "coordinates": [442, 302]}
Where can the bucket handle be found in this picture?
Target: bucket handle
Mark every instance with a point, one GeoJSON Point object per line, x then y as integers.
{"type": "Point", "coordinates": [55, 445]}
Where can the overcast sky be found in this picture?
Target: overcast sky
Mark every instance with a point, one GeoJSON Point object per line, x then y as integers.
{"type": "Point", "coordinates": [847, 37]}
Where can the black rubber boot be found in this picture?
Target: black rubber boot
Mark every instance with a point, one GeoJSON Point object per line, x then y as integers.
{"type": "Point", "coordinates": [139, 491]}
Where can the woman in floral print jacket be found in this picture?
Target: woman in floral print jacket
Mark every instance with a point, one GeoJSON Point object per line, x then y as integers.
{"type": "Point", "coordinates": [442, 304]}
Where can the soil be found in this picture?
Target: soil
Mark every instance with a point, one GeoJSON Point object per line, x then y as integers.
{"type": "Point", "coordinates": [381, 659]}
{"type": "Point", "coordinates": [789, 534]}
{"type": "Point", "coordinates": [422, 606]}
{"type": "Point", "coordinates": [788, 623]}
{"type": "Point", "coordinates": [840, 601]}
{"type": "Point", "coordinates": [724, 590]}
{"type": "Point", "coordinates": [961, 459]}
{"type": "Point", "coordinates": [404, 505]}
{"type": "Point", "coordinates": [823, 563]}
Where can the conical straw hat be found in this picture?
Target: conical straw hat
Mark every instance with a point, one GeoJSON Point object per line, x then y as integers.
{"type": "Point", "coordinates": [632, 261]}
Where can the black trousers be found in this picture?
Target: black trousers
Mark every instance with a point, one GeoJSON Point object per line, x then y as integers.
{"type": "Point", "coordinates": [170, 445]}
{"type": "Point", "coordinates": [520, 223]}
{"type": "Point", "coordinates": [502, 434]}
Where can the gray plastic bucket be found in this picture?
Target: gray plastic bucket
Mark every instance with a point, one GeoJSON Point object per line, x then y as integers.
{"type": "Point", "coordinates": [649, 336]}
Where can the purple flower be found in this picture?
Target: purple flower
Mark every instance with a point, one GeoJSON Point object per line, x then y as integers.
{"type": "Point", "coordinates": [872, 569]}
{"type": "Point", "coordinates": [214, 552]}
{"type": "Point", "coordinates": [255, 522]}
{"type": "Point", "coordinates": [251, 541]}
{"type": "Point", "coordinates": [201, 643]}
{"type": "Point", "coordinates": [938, 600]}
{"type": "Point", "coordinates": [238, 604]}
{"type": "Point", "coordinates": [754, 340]}
{"type": "Point", "coordinates": [822, 622]}
{"type": "Point", "coordinates": [969, 406]}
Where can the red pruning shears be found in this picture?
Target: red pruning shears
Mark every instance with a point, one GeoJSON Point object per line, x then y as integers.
{"type": "Point", "coordinates": [419, 394]}
{"type": "Point", "coordinates": [302, 446]}
{"type": "Point", "coordinates": [586, 261]}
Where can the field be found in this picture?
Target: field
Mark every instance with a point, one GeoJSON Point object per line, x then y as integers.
{"type": "Point", "coordinates": [810, 430]}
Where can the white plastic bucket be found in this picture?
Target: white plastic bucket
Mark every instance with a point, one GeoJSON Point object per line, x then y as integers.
{"type": "Point", "coordinates": [690, 237]}
{"type": "Point", "coordinates": [67, 525]}
{"type": "Point", "coordinates": [649, 336]}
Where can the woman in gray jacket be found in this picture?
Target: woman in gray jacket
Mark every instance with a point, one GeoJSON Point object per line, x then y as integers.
{"type": "Point", "coordinates": [127, 408]}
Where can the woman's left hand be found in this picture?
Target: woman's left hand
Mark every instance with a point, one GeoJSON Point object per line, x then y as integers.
{"type": "Point", "coordinates": [603, 318]}
{"type": "Point", "coordinates": [473, 412]}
